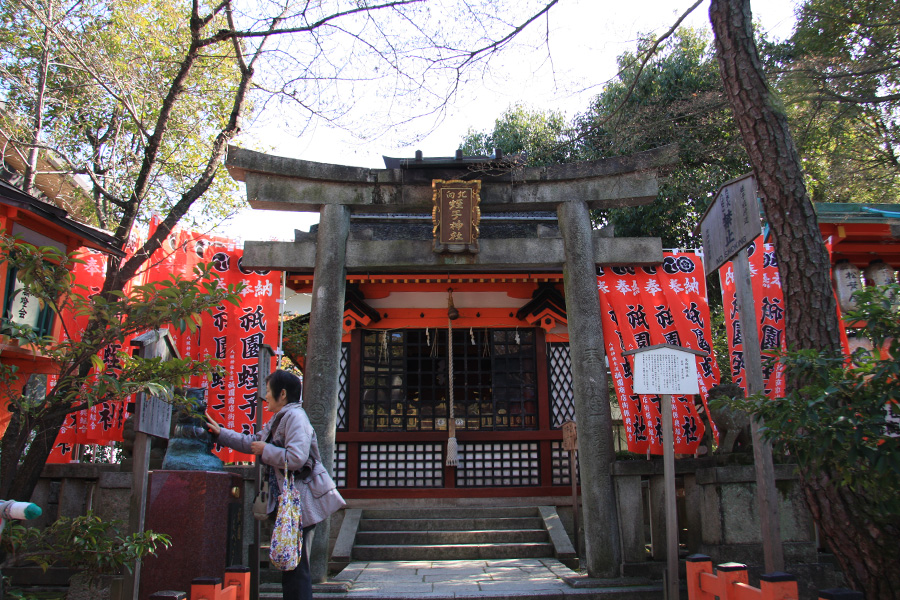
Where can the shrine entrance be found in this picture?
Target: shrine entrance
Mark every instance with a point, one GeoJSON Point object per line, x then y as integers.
{"type": "Point", "coordinates": [494, 289]}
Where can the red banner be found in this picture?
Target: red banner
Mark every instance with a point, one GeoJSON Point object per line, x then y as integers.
{"type": "Point", "coordinates": [645, 306]}
{"type": "Point", "coordinates": [769, 317]}
{"type": "Point", "coordinates": [231, 335]}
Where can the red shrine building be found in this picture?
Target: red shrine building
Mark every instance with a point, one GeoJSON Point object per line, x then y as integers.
{"type": "Point", "coordinates": [512, 382]}
{"type": "Point", "coordinates": [39, 223]}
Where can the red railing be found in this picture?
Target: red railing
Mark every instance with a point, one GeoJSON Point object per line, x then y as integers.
{"type": "Point", "coordinates": [235, 585]}
{"type": "Point", "coordinates": [729, 581]}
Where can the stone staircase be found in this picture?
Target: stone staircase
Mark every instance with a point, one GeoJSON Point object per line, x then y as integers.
{"type": "Point", "coordinates": [457, 533]}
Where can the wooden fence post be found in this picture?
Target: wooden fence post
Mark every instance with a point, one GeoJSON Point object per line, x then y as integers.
{"type": "Point", "coordinates": [696, 565]}
{"type": "Point", "coordinates": [778, 586]}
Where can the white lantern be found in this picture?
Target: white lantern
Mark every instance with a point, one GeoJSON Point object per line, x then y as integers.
{"type": "Point", "coordinates": [846, 281]}
{"type": "Point", "coordinates": [879, 273]}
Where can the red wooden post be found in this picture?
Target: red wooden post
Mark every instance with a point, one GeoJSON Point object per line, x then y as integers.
{"type": "Point", "coordinates": [728, 575]}
{"type": "Point", "coordinates": [697, 565]}
{"type": "Point", "coordinates": [778, 586]}
{"type": "Point", "coordinates": [227, 593]}
{"type": "Point", "coordinates": [239, 578]}
{"type": "Point", "coordinates": [206, 588]}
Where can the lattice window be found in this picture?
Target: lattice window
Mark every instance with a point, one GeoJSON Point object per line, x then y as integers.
{"type": "Point", "coordinates": [405, 380]}
{"type": "Point", "coordinates": [559, 458]}
{"type": "Point", "coordinates": [498, 464]}
{"type": "Point", "coordinates": [343, 388]}
{"type": "Point", "coordinates": [401, 465]}
{"type": "Point", "coordinates": [562, 391]}
{"type": "Point", "coordinates": [340, 464]}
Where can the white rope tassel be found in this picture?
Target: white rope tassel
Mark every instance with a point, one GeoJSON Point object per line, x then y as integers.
{"type": "Point", "coordinates": [452, 459]}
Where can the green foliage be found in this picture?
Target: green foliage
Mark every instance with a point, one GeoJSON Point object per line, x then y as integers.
{"type": "Point", "coordinates": [296, 334]}
{"type": "Point", "coordinates": [720, 341]}
{"type": "Point", "coordinates": [543, 135]}
{"type": "Point", "coordinates": [83, 377]}
{"type": "Point", "coordinates": [86, 544]}
{"type": "Point", "coordinates": [841, 82]}
{"type": "Point", "coordinates": [844, 418]}
{"type": "Point", "coordinates": [676, 98]}
{"type": "Point", "coordinates": [100, 105]}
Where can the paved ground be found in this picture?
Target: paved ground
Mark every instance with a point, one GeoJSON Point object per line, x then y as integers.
{"type": "Point", "coordinates": [542, 579]}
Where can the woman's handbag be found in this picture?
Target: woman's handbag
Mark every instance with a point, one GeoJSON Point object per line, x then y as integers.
{"type": "Point", "coordinates": [261, 502]}
{"type": "Point", "coordinates": [287, 536]}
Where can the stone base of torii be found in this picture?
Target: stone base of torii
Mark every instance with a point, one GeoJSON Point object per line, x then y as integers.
{"type": "Point", "coordinates": [571, 190]}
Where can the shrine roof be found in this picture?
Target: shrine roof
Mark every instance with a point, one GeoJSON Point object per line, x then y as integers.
{"type": "Point", "coordinates": [58, 218]}
{"type": "Point", "coordinates": [845, 212]}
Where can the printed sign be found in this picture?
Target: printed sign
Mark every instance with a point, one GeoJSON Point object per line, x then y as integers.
{"type": "Point", "coordinates": [665, 371]}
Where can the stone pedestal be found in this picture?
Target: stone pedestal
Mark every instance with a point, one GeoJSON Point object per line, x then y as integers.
{"type": "Point", "coordinates": [201, 513]}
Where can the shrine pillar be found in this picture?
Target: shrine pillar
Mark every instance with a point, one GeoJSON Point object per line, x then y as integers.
{"type": "Point", "coordinates": [323, 353]}
{"type": "Point", "coordinates": [592, 412]}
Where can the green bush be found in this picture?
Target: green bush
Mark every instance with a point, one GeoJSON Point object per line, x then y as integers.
{"type": "Point", "coordinates": [843, 417]}
{"type": "Point", "coordinates": [86, 544]}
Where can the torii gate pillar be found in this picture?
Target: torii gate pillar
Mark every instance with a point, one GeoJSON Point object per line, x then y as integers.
{"type": "Point", "coordinates": [323, 354]}
{"type": "Point", "coordinates": [596, 452]}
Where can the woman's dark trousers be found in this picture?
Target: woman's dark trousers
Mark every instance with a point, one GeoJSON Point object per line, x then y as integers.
{"type": "Point", "coordinates": [297, 584]}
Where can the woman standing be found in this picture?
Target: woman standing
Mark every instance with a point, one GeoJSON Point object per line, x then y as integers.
{"type": "Point", "coordinates": [289, 438]}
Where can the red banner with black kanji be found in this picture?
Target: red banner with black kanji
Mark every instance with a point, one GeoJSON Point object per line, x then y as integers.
{"type": "Point", "coordinates": [231, 336]}
{"type": "Point", "coordinates": [769, 317]}
{"type": "Point", "coordinates": [644, 306]}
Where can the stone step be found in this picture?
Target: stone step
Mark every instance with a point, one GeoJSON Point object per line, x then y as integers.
{"type": "Point", "coordinates": [450, 512]}
{"type": "Point", "coordinates": [444, 524]}
{"type": "Point", "coordinates": [613, 592]}
{"type": "Point", "coordinates": [431, 537]}
{"type": "Point", "coordinates": [384, 552]}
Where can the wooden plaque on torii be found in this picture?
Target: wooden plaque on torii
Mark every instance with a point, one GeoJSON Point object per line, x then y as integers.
{"type": "Point", "coordinates": [456, 215]}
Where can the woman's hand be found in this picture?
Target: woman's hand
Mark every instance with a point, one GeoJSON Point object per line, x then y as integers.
{"type": "Point", "coordinates": [257, 447]}
{"type": "Point", "coordinates": [214, 428]}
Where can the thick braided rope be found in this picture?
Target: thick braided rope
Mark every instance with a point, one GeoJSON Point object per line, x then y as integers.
{"type": "Point", "coordinates": [451, 427]}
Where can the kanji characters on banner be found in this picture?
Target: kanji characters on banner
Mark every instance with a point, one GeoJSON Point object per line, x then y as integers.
{"type": "Point", "coordinates": [232, 336]}
{"type": "Point", "coordinates": [644, 306]}
{"type": "Point", "coordinates": [769, 318]}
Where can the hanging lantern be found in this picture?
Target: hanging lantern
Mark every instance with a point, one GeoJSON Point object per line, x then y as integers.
{"type": "Point", "coordinates": [879, 273]}
{"type": "Point", "coordinates": [846, 281]}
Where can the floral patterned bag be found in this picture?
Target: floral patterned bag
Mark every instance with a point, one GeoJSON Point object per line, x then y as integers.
{"type": "Point", "coordinates": [287, 536]}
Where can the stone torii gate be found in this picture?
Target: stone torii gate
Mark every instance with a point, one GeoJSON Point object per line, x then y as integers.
{"type": "Point", "coordinates": [571, 190]}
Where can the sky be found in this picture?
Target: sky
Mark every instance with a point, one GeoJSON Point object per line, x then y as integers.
{"type": "Point", "coordinates": [584, 37]}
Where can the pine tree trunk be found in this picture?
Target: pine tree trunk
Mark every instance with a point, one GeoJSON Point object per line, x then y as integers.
{"type": "Point", "coordinates": [803, 264]}
{"type": "Point", "coordinates": [866, 549]}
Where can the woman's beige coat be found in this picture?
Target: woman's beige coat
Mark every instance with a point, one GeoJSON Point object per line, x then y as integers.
{"type": "Point", "coordinates": [295, 442]}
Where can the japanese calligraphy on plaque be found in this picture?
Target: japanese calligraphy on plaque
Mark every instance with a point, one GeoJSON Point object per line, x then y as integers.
{"type": "Point", "coordinates": [456, 215]}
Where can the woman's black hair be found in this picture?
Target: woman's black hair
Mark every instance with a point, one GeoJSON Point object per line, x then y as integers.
{"type": "Point", "coordinates": [282, 380]}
